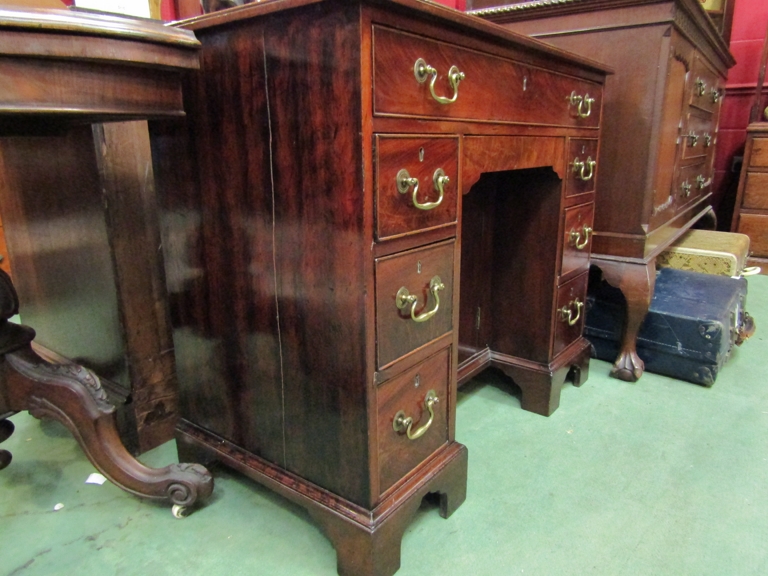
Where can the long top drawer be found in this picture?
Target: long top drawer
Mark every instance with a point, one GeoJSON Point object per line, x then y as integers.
{"type": "Point", "coordinates": [415, 76]}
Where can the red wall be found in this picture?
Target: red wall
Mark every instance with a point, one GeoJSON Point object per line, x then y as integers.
{"type": "Point", "coordinates": [750, 19]}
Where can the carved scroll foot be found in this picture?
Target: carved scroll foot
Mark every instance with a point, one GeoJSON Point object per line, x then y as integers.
{"type": "Point", "coordinates": [73, 395]}
{"type": "Point", "coordinates": [636, 282]}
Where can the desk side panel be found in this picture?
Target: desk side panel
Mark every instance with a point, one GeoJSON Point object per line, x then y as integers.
{"type": "Point", "coordinates": [214, 183]}
{"type": "Point", "coordinates": [322, 229]}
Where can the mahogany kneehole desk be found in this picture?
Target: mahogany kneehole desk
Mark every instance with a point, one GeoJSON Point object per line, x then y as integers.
{"type": "Point", "coordinates": [343, 168]}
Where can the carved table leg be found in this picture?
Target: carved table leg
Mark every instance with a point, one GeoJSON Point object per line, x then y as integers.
{"type": "Point", "coordinates": [73, 395]}
{"type": "Point", "coordinates": [636, 282]}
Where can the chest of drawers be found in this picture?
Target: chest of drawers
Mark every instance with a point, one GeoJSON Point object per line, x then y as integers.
{"type": "Point", "coordinates": [319, 206]}
{"type": "Point", "coordinates": [661, 115]}
{"type": "Point", "coordinates": [750, 216]}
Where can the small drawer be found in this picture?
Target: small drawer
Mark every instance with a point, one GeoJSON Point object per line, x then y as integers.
{"type": "Point", "coordinates": [416, 183]}
{"type": "Point", "coordinates": [698, 140]}
{"type": "Point", "coordinates": [582, 167]}
{"type": "Point", "coordinates": [759, 156]}
{"type": "Point", "coordinates": [415, 76]}
{"type": "Point", "coordinates": [414, 299]}
{"type": "Point", "coordinates": [756, 227]}
{"type": "Point", "coordinates": [706, 88]}
{"type": "Point", "coordinates": [411, 395]}
{"type": "Point", "coordinates": [756, 191]}
{"type": "Point", "coordinates": [570, 312]}
{"type": "Point", "coordinates": [577, 240]}
{"type": "Point", "coordinates": [694, 182]}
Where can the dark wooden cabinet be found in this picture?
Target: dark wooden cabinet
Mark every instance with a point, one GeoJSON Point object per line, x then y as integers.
{"type": "Point", "coordinates": [750, 213]}
{"type": "Point", "coordinates": [661, 109]}
{"type": "Point", "coordinates": [322, 203]}
{"type": "Point", "coordinates": [750, 216]}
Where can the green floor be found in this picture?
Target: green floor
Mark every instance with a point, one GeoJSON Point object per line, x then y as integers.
{"type": "Point", "coordinates": [660, 477]}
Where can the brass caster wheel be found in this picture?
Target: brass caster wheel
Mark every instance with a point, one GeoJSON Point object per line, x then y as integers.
{"type": "Point", "coordinates": [179, 511]}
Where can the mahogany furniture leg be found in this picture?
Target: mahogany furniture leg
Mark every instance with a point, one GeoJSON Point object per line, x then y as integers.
{"type": "Point", "coordinates": [636, 282]}
{"type": "Point", "coordinates": [367, 542]}
{"type": "Point", "coordinates": [540, 385]}
{"type": "Point", "coordinates": [73, 395]}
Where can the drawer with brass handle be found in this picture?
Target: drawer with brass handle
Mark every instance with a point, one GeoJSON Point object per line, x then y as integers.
{"type": "Point", "coordinates": [569, 313]}
{"type": "Point", "coordinates": [416, 183]}
{"type": "Point", "coordinates": [706, 89]}
{"type": "Point", "coordinates": [582, 166]}
{"type": "Point", "coordinates": [412, 417]}
{"type": "Point", "coordinates": [414, 299]}
{"type": "Point", "coordinates": [694, 182]}
{"type": "Point", "coordinates": [577, 241]}
{"type": "Point", "coordinates": [415, 76]}
{"type": "Point", "coordinates": [699, 136]}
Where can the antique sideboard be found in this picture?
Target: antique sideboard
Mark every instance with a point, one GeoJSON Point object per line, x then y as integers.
{"type": "Point", "coordinates": [344, 166]}
{"type": "Point", "coordinates": [62, 74]}
{"type": "Point", "coordinates": [661, 113]}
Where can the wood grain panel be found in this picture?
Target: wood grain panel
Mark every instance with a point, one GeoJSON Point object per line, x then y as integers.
{"type": "Point", "coordinates": [576, 249]}
{"type": "Point", "coordinates": [217, 219]}
{"type": "Point", "coordinates": [756, 191]}
{"type": "Point", "coordinates": [397, 454]}
{"type": "Point", "coordinates": [397, 333]}
{"type": "Point", "coordinates": [706, 89]}
{"type": "Point", "coordinates": [420, 157]}
{"type": "Point", "coordinates": [570, 325]}
{"type": "Point", "coordinates": [759, 156]}
{"type": "Point", "coordinates": [581, 150]}
{"type": "Point", "coordinates": [495, 89]}
{"type": "Point", "coordinates": [322, 229]}
{"type": "Point", "coordinates": [756, 227]}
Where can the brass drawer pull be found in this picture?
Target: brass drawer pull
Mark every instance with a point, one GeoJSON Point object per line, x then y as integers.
{"type": "Point", "coordinates": [579, 167]}
{"type": "Point", "coordinates": [576, 239]}
{"type": "Point", "coordinates": [405, 182]}
{"type": "Point", "coordinates": [707, 139]}
{"type": "Point", "coordinates": [701, 183]}
{"type": "Point", "coordinates": [566, 312]}
{"type": "Point", "coordinates": [421, 70]}
{"type": "Point", "coordinates": [404, 298]}
{"type": "Point", "coordinates": [701, 87]}
{"type": "Point", "coordinates": [403, 423]}
{"type": "Point", "coordinates": [579, 100]}
{"type": "Point", "coordinates": [686, 188]}
{"type": "Point", "coordinates": [693, 138]}
{"type": "Point", "coordinates": [716, 95]}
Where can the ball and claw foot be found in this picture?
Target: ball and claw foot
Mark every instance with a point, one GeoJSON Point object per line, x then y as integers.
{"type": "Point", "coordinates": [628, 367]}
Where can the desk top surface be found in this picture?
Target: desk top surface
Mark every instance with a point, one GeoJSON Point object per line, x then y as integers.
{"type": "Point", "coordinates": [437, 13]}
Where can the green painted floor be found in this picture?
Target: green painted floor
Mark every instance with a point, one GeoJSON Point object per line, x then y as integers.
{"type": "Point", "coordinates": [660, 477]}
